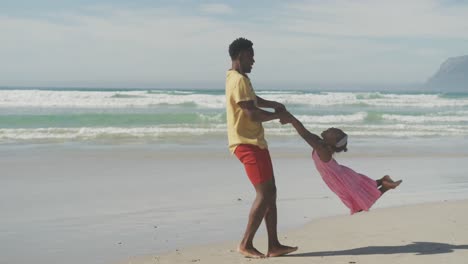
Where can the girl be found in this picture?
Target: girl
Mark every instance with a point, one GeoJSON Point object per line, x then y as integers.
{"type": "Point", "coordinates": [358, 192]}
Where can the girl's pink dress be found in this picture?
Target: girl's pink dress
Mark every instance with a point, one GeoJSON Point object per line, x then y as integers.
{"type": "Point", "coordinates": [358, 192]}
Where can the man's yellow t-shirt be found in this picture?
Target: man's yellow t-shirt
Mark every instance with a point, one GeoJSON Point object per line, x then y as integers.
{"type": "Point", "coordinates": [241, 130]}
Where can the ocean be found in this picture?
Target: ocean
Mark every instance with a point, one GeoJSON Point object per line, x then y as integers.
{"type": "Point", "coordinates": [160, 116]}
{"type": "Point", "coordinates": [101, 175]}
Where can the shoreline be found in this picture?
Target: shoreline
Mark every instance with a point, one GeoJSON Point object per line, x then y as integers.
{"type": "Point", "coordinates": [430, 232]}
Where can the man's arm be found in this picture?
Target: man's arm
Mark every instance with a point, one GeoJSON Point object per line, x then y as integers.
{"type": "Point", "coordinates": [258, 115]}
{"type": "Point", "coordinates": [270, 104]}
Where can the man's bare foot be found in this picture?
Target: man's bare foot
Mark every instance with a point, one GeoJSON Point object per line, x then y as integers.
{"type": "Point", "coordinates": [280, 251]}
{"type": "Point", "coordinates": [250, 252]}
{"type": "Point", "coordinates": [390, 185]}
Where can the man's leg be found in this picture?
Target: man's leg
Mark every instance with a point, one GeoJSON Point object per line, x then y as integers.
{"type": "Point", "coordinates": [271, 219]}
{"type": "Point", "coordinates": [265, 193]}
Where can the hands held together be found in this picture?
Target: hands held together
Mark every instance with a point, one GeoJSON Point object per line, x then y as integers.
{"type": "Point", "coordinates": [284, 116]}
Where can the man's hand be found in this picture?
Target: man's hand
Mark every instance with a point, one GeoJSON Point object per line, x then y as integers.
{"type": "Point", "coordinates": [279, 107]}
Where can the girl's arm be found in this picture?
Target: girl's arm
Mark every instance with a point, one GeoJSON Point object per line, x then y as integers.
{"type": "Point", "coordinates": [314, 141]}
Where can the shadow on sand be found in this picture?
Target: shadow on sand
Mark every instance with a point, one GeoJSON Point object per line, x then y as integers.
{"type": "Point", "coordinates": [418, 248]}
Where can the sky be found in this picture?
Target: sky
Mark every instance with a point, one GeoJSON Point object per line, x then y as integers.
{"type": "Point", "coordinates": [184, 44]}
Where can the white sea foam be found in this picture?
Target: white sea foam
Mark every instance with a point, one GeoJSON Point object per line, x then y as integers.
{"type": "Point", "coordinates": [415, 100]}
{"type": "Point", "coordinates": [86, 133]}
{"type": "Point", "coordinates": [425, 118]}
{"type": "Point", "coordinates": [369, 99]}
{"type": "Point", "coordinates": [322, 99]}
{"type": "Point", "coordinates": [331, 119]}
{"type": "Point", "coordinates": [212, 118]}
{"type": "Point", "coordinates": [129, 99]}
{"type": "Point", "coordinates": [191, 132]}
{"type": "Point", "coordinates": [104, 99]}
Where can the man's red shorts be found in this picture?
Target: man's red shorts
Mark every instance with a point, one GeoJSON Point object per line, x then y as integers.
{"type": "Point", "coordinates": [257, 162]}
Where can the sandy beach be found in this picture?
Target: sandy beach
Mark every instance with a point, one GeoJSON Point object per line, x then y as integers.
{"type": "Point", "coordinates": [426, 233]}
{"type": "Point", "coordinates": [114, 204]}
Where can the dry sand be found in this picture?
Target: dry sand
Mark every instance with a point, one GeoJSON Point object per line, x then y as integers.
{"type": "Point", "coordinates": [425, 233]}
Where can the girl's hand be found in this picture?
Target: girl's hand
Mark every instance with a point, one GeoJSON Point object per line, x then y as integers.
{"type": "Point", "coordinates": [286, 117]}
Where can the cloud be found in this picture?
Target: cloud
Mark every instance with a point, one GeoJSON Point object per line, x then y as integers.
{"type": "Point", "coordinates": [145, 46]}
{"type": "Point", "coordinates": [216, 9]}
{"type": "Point", "coordinates": [378, 18]}
{"type": "Point", "coordinates": [301, 42]}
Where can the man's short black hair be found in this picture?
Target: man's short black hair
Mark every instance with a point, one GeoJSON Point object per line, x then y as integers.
{"type": "Point", "coordinates": [239, 45]}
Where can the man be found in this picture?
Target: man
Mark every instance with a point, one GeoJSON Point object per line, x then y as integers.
{"type": "Point", "coordinates": [247, 142]}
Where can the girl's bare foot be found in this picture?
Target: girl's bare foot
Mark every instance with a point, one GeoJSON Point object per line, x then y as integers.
{"type": "Point", "coordinates": [387, 178]}
{"type": "Point", "coordinates": [280, 251]}
{"type": "Point", "coordinates": [391, 185]}
{"type": "Point", "coordinates": [250, 252]}
{"type": "Point", "coordinates": [386, 185]}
